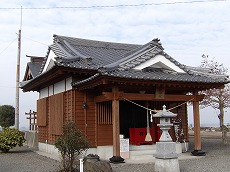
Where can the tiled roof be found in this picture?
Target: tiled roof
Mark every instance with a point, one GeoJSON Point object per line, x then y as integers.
{"type": "Point", "coordinates": [165, 75]}
{"type": "Point", "coordinates": [158, 75]}
{"type": "Point", "coordinates": [118, 60]}
{"type": "Point", "coordinates": [35, 68]}
{"type": "Point", "coordinates": [97, 53]}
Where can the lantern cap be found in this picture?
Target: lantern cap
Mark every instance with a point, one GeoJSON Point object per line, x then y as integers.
{"type": "Point", "coordinates": [164, 113]}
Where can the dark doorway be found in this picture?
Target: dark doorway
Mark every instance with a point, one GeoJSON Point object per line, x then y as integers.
{"type": "Point", "coordinates": [132, 116]}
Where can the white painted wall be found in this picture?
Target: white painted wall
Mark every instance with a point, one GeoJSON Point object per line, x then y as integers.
{"type": "Point", "coordinates": [43, 93]}
{"type": "Point", "coordinates": [51, 90]}
{"type": "Point", "coordinates": [160, 58]}
{"type": "Point", "coordinates": [58, 87]}
{"type": "Point", "coordinates": [68, 83]}
{"type": "Point", "coordinates": [49, 61]}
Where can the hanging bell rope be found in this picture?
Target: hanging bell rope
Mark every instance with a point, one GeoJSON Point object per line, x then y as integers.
{"type": "Point", "coordinates": [148, 137]}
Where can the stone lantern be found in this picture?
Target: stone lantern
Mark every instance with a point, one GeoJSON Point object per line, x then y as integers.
{"type": "Point", "coordinates": [165, 124]}
{"type": "Point", "coordinates": [166, 156]}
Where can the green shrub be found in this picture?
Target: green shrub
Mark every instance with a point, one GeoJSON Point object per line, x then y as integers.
{"type": "Point", "coordinates": [10, 138]}
{"type": "Point", "coordinates": [71, 144]}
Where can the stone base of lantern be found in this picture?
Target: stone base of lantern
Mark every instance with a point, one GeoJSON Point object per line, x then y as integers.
{"type": "Point", "coordinates": [167, 165]}
{"type": "Point", "coordinates": [166, 157]}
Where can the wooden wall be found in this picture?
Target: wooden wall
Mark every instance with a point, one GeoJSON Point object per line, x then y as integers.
{"type": "Point", "coordinates": [95, 120]}
{"type": "Point", "coordinates": [41, 112]}
{"type": "Point", "coordinates": [90, 112]}
{"type": "Point", "coordinates": [55, 110]}
{"type": "Point", "coordinates": [104, 123]}
{"type": "Point", "coordinates": [42, 119]}
{"type": "Point", "coordinates": [69, 106]}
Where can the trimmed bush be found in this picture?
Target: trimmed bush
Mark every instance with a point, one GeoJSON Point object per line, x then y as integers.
{"type": "Point", "coordinates": [10, 138]}
{"type": "Point", "coordinates": [70, 145]}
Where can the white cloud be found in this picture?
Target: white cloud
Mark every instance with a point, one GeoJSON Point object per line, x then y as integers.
{"type": "Point", "coordinates": [186, 30]}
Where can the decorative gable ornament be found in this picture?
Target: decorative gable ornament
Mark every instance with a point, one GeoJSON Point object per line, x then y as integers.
{"type": "Point", "coordinates": [159, 62]}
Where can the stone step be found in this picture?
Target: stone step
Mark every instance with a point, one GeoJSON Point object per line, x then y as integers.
{"type": "Point", "coordinates": [142, 152]}
{"type": "Point", "coordinates": [142, 157]}
{"type": "Point", "coordinates": [142, 147]}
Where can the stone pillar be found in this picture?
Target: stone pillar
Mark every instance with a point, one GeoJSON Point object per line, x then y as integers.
{"type": "Point", "coordinates": [166, 157]}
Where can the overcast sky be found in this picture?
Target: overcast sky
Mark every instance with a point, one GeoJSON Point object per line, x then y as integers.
{"type": "Point", "coordinates": [186, 30]}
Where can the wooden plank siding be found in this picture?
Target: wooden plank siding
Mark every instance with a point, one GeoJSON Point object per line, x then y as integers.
{"type": "Point", "coordinates": [63, 107]}
{"type": "Point", "coordinates": [91, 119]}
{"type": "Point", "coordinates": [79, 111]}
{"type": "Point", "coordinates": [104, 123]}
{"type": "Point", "coordinates": [104, 135]}
{"type": "Point", "coordinates": [43, 130]}
{"type": "Point", "coordinates": [42, 112]}
{"type": "Point", "coordinates": [56, 104]}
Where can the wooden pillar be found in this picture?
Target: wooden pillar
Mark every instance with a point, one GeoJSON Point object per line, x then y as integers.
{"type": "Point", "coordinates": [30, 117]}
{"type": "Point", "coordinates": [84, 106]}
{"type": "Point", "coordinates": [116, 127]}
{"type": "Point", "coordinates": [196, 117]}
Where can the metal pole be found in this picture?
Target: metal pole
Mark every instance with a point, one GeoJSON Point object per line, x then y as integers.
{"type": "Point", "coordinates": [17, 82]}
{"type": "Point", "coordinates": [81, 164]}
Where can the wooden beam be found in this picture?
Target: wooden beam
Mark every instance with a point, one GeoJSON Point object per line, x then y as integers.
{"type": "Point", "coordinates": [108, 96]}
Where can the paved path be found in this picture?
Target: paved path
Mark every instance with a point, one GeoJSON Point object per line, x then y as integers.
{"type": "Point", "coordinates": [217, 159]}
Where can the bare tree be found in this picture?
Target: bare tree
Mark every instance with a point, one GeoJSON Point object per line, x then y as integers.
{"type": "Point", "coordinates": [219, 99]}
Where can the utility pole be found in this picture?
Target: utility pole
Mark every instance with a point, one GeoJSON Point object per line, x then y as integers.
{"type": "Point", "coordinates": [16, 123]}
{"type": "Point", "coordinates": [17, 82]}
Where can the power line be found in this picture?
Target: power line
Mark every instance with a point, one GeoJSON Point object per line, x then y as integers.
{"type": "Point", "coordinates": [110, 6]}
{"type": "Point", "coordinates": [7, 46]}
{"type": "Point", "coordinates": [34, 41]}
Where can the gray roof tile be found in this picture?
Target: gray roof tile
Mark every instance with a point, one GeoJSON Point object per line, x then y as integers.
{"type": "Point", "coordinates": [118, 60]}
{"type": "Point", "coordinates": [34, 68]}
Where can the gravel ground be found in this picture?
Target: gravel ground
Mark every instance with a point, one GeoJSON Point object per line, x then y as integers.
{"type": "Point", "coordinates": [217, 159]}
{"type": "Point", "coordinates": [24, 159]}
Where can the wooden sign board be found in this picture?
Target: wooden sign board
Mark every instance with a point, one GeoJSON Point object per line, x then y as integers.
{"type": "Point", "coordinates": [124, 148]}
{"type": "Point", "coordinates": [160, 92]}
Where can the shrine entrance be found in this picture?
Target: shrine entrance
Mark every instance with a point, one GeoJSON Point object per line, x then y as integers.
{"type": "Point", "coordinates": [133, 121]}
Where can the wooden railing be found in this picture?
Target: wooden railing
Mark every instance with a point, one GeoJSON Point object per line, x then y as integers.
{"type": "Point", "coordinates": [32, 116]}
{"type": "Point", "coordinates": [104, 113]}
